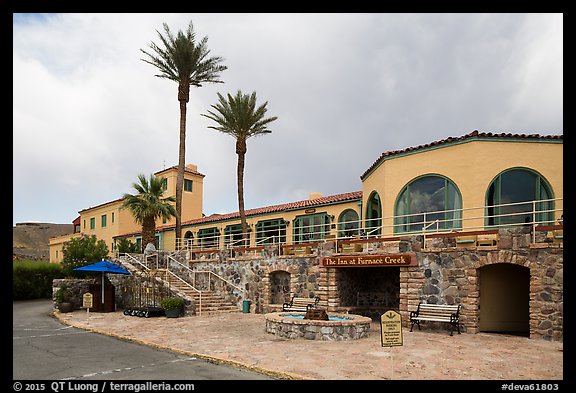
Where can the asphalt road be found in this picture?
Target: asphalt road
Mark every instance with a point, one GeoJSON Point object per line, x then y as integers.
{"type": "Point", "coordinates": [45, 349]}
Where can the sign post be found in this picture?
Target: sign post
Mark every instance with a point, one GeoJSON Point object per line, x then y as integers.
{"type": "Point", "coordinates": [391, 332]}
{"type": "Point", "coordinates": [391, 329]}
{"type": "Point", "coordinates": [87, 302]}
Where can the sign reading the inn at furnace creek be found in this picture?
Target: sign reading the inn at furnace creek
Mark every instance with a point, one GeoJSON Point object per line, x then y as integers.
{"type": "Point", "coordinates": [370, 260]}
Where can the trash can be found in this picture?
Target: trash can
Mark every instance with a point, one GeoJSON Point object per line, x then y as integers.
{"type": "Point", "coordinates": [246, 306]}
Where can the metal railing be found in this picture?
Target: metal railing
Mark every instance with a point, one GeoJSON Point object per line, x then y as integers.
{"type": "Point", "coordinates": [174, 268]}
{"type": "Point", "coordinates": [508, 215]}
{"type": "Point", "coordinates": [182, 280]}
{"type": "Point", "coordinates": [191, 274]}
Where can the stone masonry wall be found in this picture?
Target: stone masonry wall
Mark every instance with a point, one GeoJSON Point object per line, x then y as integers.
{"type": "Point", "coordinates": [445, 274]}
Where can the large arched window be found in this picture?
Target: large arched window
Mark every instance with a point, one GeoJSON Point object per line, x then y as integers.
{"type": "Point", "coordinates": [373, 215]}
{"type": "Point", "coordinates": [426, 203]}
{"type": "Point", "coordinates": [348, 223]}
{"type": "Point", "coordinates": [518, 188]}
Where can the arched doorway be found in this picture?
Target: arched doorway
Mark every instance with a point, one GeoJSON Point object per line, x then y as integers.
{"type": "Point", "coordinates": [504, 299]}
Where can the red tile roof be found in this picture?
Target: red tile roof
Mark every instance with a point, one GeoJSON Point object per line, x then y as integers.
{"type": "Point", "coordinates": [186, 169]}
{"type": "Point", "coordinates": [473, 135]}
{"type": "Point", "coordinates": [102, 204]}
{"type": "Point", "coordinates": [327, 200]}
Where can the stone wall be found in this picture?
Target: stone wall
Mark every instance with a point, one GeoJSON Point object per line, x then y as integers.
{"type": "Point", "coordinates": [77, 287]}
{"type": "Point", "coordinates": [445, 274]}
{"type": "Point", "coordinates": [253, 275]}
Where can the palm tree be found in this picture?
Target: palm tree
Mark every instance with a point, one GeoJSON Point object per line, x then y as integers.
{"type": "Point", "coordinates": [185, 61]}
{"type": "Point", "coordinates": [239, 117]}
{"type": "Point", "coordinates": [149, 205]}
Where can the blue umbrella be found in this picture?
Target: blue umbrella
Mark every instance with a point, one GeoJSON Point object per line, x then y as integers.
{"type": "Point", "coordinates": [104, 267]}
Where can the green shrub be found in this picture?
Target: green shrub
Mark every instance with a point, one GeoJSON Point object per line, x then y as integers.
{"type": "Point", "coordinates": [126, 246]}
{"type": "Point", "coordinates": [62, 294]}
{"type": "Point", "coordinates": [171, 303]}
{"type": "Point", "coordinates": [81, 251]}
{"type": "Point", "coordinates": [33, 279]}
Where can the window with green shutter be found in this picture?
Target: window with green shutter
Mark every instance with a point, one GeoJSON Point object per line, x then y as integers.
{"type": "Point", "coordinates": [187, 185]}
{"type": "Point", "coordinates": [271, 231]}
{"type": "Point", "coordinates": [311, 227]}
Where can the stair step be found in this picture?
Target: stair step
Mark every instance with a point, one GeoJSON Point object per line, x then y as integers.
{"type": "Point", "coordinates": [212, 302]}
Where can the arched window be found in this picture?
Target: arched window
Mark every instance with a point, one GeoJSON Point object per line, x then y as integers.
{"type": "Point", "coordinates": [348, 223]}
{"type": "Point", "coordinates": [425, 200]}
{"type": "Point", "coordinates": [188, 239]}
{"type": "Point", "coordinates": [519, 187]}
{"type": "Point", "coordinates": [373, 215]}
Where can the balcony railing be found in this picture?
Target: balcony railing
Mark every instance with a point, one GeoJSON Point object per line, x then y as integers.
{"type": "Point", "coordinates": [509, 215]}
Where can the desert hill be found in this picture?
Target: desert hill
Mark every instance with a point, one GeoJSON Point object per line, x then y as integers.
{"type": "Point", "coordinates": [30, 239]}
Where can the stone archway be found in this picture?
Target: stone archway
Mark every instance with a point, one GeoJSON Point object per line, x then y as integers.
{"type": "Point", "coordinates": [279, 283]}
{"type": "Point", "coordinates": [470, 291]}
{"type": "Point", "coordinates": [289, 274]}
{"type": "Point", "coordinates": [545, 289]}
{"type": "Point", "coordinates": [454, 278]}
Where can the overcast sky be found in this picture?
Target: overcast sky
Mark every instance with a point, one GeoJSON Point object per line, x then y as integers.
{"type": "Point", "coordinates": [89, 115]}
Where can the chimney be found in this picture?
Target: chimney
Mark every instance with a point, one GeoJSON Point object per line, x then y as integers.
{"type": "Point", "coordinates": [315, 195]}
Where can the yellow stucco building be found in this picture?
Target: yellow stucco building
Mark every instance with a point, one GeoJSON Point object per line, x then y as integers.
{"type": "Point", "coordinates": [472, 182]}
{"type": "Point", "coordinates": [109, 220]}
{"type": "Point", "coordinates": [463, 179]}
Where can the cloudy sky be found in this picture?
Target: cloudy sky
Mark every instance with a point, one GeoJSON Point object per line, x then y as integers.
{"type": "Point", "coordinates": [89, 115]}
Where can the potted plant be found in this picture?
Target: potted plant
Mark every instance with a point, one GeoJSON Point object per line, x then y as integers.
{"type": "Point", "coordinates": [62, 299]}
{"type": "Point", "coordinates": [173, 306]}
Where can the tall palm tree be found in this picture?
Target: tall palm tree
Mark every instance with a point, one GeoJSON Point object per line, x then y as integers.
{"type": "Point", "coordinates": [238, 116]}
{"type": "Point", "coordinates": [149, 205]}
{"type": "Point", "coordinates": [185, 61]}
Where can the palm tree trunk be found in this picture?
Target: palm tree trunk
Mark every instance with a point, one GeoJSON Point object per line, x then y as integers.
{"type": "Point", "coordinates": [148, 231]}
{"type": "Point", "coordinates": [183, 96]}
{"type": "Point", "coordinates": [241, 151]}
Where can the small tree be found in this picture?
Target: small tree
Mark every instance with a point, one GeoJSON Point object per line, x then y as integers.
{"type": "Point", "coordinates": [126, 246]}
{"type": "Point", "coordinates": [81, 251]}
{"type": "Point", "coordinates": [148, 205]}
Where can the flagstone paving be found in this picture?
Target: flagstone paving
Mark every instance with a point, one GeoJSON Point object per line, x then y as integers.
{"type": "Point", "coordinates": [241, 340]}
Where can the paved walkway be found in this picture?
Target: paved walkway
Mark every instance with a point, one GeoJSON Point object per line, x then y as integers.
{"type": "Point", "coordinates": [241, 340]}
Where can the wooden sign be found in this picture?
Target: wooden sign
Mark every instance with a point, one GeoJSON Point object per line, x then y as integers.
{"type": "Point", "coordinates": [87, 300]}
{"type": "Point", "coordinates": [391, 329]}
{"type": "Point", "coordinates": [369, 260]}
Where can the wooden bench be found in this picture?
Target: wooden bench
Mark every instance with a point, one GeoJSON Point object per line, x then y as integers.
{"type": "Point", "coordinates": [300, 304]}
{"type": "Point", "coordinates": [436, 313]}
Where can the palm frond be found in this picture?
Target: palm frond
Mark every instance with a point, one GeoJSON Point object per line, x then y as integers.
{"type": "Point", "coordinates": [182, 59]}
{"type": "Point", "coordinates": [238, 115]}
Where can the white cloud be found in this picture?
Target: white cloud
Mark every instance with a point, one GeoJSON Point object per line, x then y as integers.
{"type": "Point", "coordinates": [89, 115]}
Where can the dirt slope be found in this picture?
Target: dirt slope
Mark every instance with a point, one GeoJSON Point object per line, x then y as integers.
{"type": "Point", "coordinates": [30, 239]}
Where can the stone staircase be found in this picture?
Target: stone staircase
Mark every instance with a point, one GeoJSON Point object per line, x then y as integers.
{"type": "Point", "coordinates": [212, 302]}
